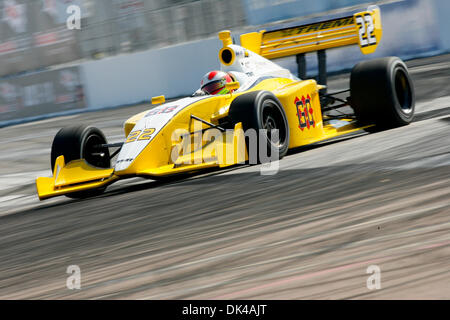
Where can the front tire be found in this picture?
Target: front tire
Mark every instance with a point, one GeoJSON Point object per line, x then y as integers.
{"type": "Point", "coordinates": [382, 92]}
{"type": "Point", "coordinates": [81, 142]}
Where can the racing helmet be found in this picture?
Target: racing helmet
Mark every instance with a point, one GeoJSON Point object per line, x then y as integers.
{"type": "Point", "coordinates": [214, 82]}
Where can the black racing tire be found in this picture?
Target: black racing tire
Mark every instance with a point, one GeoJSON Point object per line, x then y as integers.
{"type": "Point", "coordinates": [81, 142]}
{"type": "Point", "coordinates": [382, 93]}
{"type": "Point", "coordinates": [261, 110]}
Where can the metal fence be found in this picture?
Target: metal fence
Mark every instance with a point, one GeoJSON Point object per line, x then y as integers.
{"type": "Point", "coordinates": [33, 33]}
{"type": "Point", "coordinates": [116, 26]}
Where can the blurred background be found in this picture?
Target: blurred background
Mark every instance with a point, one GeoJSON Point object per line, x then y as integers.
{"type": "Point", "coordinates": [129, 50]}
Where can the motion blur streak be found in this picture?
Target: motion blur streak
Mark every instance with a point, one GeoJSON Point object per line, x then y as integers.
{"type": "Point", "coordinates": [308, 232]}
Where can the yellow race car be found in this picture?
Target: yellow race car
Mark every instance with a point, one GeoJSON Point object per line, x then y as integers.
{"type": "Point", "coordinates": [267, 111]}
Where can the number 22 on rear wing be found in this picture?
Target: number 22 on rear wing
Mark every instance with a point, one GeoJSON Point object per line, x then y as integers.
{"type": "Point", "coordinates": [363, 28]}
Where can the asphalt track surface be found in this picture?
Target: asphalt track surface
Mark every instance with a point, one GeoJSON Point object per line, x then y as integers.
{"type": "Point", "coordinates": [308, 232]}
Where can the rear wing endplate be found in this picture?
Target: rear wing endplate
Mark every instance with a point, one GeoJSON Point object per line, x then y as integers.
{"type": "Point", "coordinates": [363, 28]}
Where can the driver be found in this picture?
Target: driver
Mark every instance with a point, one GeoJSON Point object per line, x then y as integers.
{"type": "Point", "coordinates": [214, 82]}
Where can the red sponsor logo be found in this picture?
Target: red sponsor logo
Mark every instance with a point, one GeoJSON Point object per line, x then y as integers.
{"type": "Point", "coordinates": [161, 110]}
{"type": "Point", "coordinates": [304, 112]}
{"type": "Point", "coordinates": [45, 39]}
{"type": "Point", "coordinates": [64, 98]}
{"type": "Point", "coordinates": [7, 47]}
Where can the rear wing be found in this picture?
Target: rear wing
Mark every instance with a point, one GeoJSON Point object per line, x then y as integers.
{"type": "Point", "coordinates": [363, 28]}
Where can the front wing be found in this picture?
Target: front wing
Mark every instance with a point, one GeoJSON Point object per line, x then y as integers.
{"type": "Point", "coordinates": [78, 175]}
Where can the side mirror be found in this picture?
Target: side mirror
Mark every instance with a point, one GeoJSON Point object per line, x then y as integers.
{"type": "Point", "coordinates": [232, 85]}
{"type": "Point", "coordinates": [158, 100]}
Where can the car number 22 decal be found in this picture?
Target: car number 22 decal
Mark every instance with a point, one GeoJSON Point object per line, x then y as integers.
{"type": "Point", "coordinates": [366, 30]}
{"type": "Point", "coordinates": [305, 112]}
{"type": "Point", "coordinates": [139, 135]}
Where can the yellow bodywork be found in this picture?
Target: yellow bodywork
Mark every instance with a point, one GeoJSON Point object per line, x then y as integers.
{"type": "Point", "coordinates": [155, 160]}
{"type": "Point", "coordinates": [363, 28]}
{"type": "Point", "coordinates": [76, 176]}
{"type": "Point", "coordinates": [204, 147]}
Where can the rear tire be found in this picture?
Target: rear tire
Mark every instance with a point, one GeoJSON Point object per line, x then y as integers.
{"type": "Point", "coordinates": [81, 142]}
{"type": "Point", "coordinates": [382, 93]}
{"type": "Point", "coordinates": [262, 110]}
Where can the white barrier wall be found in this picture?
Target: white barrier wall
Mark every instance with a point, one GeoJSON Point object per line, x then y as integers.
{"type": "Point", "coordinates": [442, 8]}
{"type": "Point", "coordinates": [127, 79]}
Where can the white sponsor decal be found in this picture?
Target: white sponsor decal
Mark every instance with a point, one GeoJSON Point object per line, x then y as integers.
{"type": "Point", "coordinates": [156, 119]}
